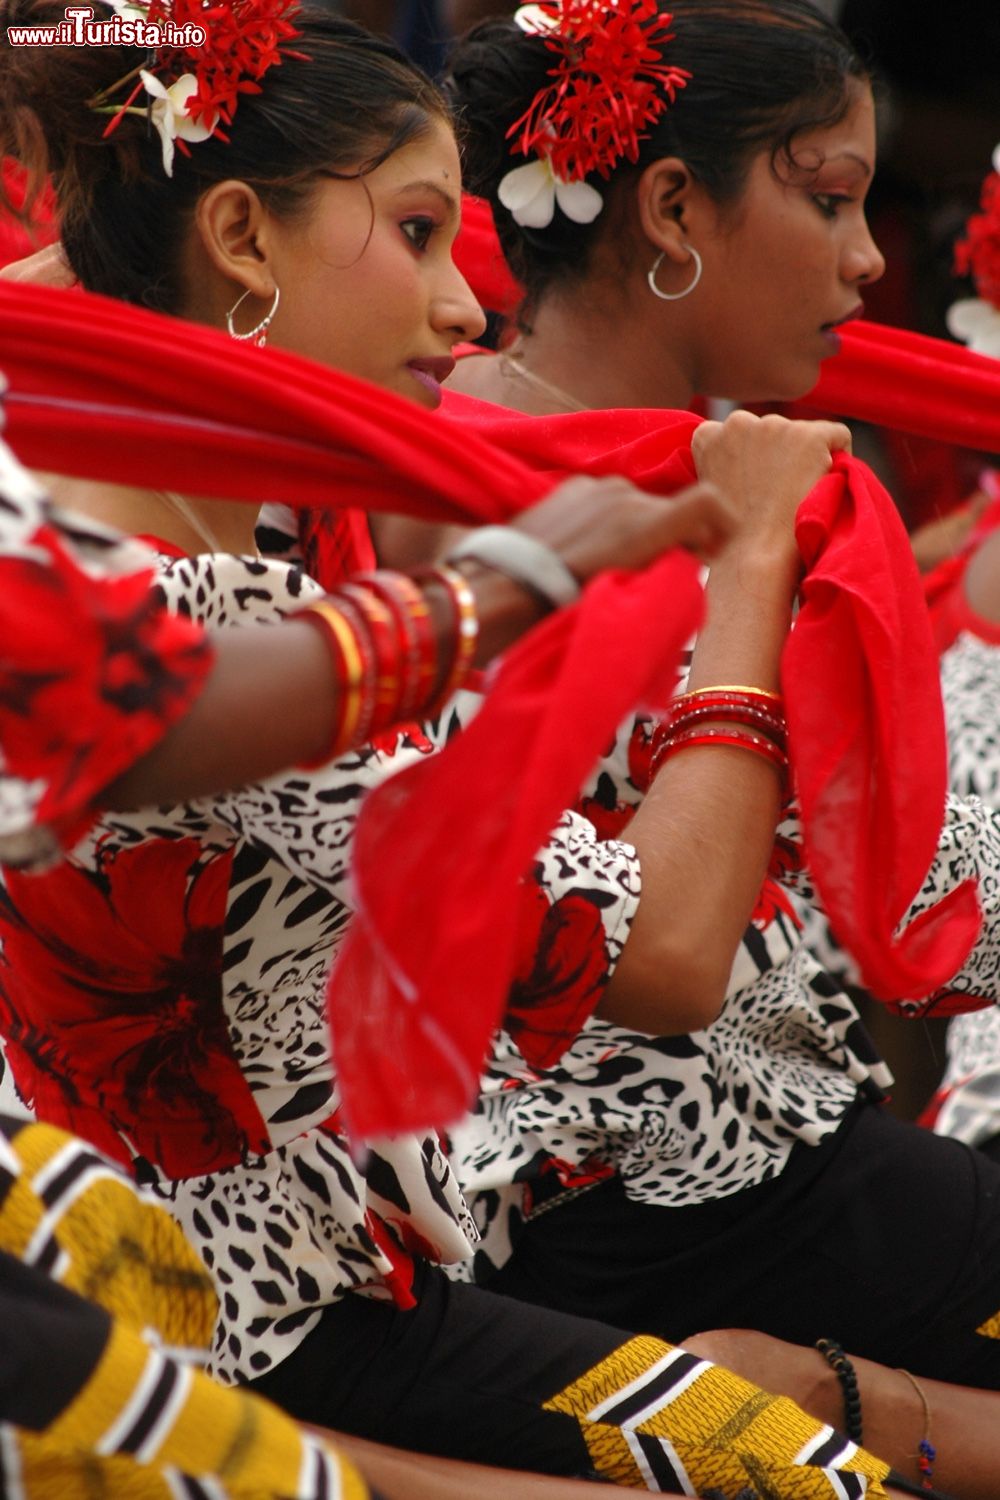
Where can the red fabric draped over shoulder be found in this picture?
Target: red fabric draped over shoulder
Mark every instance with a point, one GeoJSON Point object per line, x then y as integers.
{"type": "Point", "coordinates": [106, 391]}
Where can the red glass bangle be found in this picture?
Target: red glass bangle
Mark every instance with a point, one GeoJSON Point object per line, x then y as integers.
{"type": "Point", "coordinates": [415, 631]}
{"type": "Point", "coordinates": [369, 662]}
{"type": "Point", "coordinates": [771, 724]}
{"type": "Point", "coordinates": [733, 691]}
{"type": "Point", "coordinates": [693, 738]}
{"type": "Point", "coordinates": [381, 627]}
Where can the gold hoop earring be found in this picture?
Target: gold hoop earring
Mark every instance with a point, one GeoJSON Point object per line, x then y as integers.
{"type": "Point", "coordinates": [258, 334]}
{"type": "Point", "coordinates": [674, 296]}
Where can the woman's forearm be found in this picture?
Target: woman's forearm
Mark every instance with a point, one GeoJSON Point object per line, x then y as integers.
{"type": "Point", "coordinates": [400, 1475]}
{"type": "Point", "coordinates": [270, 701]}
{"type": "Point", "coordinates": [705, 830]}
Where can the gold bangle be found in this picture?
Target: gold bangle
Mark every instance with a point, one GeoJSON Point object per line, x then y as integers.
{"type": "Point", "coordinates": [728, 687]}
{"type": "Point", "coordinates": [350, 710]}
{"type": "Point", "coordinates": [466, 634]}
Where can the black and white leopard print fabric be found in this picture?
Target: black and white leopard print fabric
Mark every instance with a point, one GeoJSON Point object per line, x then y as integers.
{"type": "Point", "coordinates": [287, 1232]}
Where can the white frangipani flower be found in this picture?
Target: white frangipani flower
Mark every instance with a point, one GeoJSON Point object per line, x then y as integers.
{"type": "Point", "coordinates": [976, 323]}
{"type": "Point", "coordinates": [169, 114]}
{"type": "Point", "coordinates": [531, 193]}
{"type": "Point", "coordinates": [534, 20]}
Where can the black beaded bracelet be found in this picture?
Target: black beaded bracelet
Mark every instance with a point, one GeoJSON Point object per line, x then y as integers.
{"type": "Point", "coordinates": [848, 1377]}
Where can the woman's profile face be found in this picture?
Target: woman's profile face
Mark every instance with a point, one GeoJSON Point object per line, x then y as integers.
{"type": "Point", "coordinates": [787, 264]}
{"type": "Point", "coordinates": [367, 280]}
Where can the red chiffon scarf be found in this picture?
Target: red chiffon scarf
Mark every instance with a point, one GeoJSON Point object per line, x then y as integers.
{"type": "Point", "coordinates": [106, 391]}
{"type": "Point", "coordinates": [860, 678]}
{"type": "Point", "coordinates": [912, 383]}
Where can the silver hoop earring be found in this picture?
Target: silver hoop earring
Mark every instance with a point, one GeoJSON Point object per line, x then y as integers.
{"type": "Point", "coordinates": [258, 334]}
{"type": "Point", "coordinates": [674, 296]}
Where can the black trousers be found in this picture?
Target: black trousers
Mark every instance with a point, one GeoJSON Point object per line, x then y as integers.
{"type": "Point", "coordinates": [464, 1374]}
{"type": "Point", "coordinates": [885, 1237]}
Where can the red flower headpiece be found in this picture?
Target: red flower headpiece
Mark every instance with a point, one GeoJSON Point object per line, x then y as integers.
{"type": "Point", "coordinates": [976, 320]}
{"type": "Point", "coordinates": [206, 54]}
{"type": "Point", "coordinates": [244, 38]}
{"type": "Point", "coordinates": [978, 255]}
{"type": "Point", "coordinates": [609, 85]}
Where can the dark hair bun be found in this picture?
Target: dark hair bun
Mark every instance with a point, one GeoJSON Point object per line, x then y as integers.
{"type": "Point", "coordinates": [495, 72]}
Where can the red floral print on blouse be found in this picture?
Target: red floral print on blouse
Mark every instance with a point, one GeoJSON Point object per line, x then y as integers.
{"type": "Point", "coordinates": [114, 1022]}
{"type": "Point", "coordinates": [562, 968]}
{"type": "Point", "coordinates": [94, 671]}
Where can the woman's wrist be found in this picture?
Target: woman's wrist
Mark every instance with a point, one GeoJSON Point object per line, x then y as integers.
{"type": "Point", "coordinates": [506, 608]}
{"type": "Point", "coordinates": [765, 573]}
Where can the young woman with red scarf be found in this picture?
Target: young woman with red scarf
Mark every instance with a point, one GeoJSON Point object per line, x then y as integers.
{"type": "Point", "coordinates": [743, 1173]}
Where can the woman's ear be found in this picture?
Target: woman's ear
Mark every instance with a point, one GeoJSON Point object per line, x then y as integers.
{"type": "Point", "coordinates": [234, 228]}
{"type": "Point", "coordinates": [667, 200]}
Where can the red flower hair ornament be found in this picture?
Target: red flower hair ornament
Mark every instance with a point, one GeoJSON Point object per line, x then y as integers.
{"type": "Point", "coordinates": [976, 320]}
{"type": "Point", "coordinates": [205, 54]}
{"type": "Point", "coordinates": [609, 86]}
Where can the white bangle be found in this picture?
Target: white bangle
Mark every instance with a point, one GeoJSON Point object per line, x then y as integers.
{"type": "Point", "coordinates": [523, 558]}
